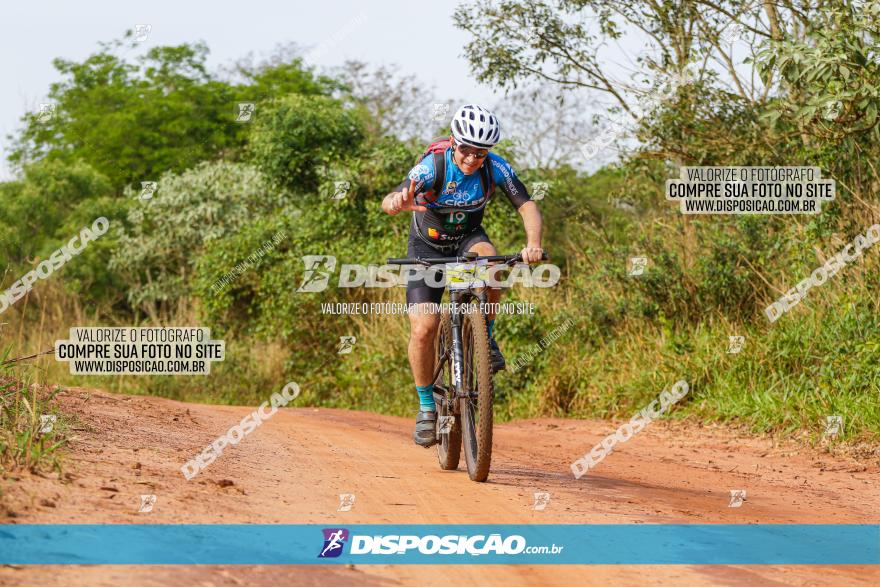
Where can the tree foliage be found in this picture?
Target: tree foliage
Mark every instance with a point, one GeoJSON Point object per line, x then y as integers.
{"type": "Point", "coordinates": [164, 111]}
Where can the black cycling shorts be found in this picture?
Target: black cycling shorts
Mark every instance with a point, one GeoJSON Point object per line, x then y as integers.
{"type": "Point", "coordinates": [417, 291]}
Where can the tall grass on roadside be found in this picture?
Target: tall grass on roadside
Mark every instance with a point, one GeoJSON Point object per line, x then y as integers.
{"type": "Point", "coordinates": [26, 440]}
{"type": "Point", "coordinates": [631, 337]}
{"type": "Point", "coordinates": [252, 371]}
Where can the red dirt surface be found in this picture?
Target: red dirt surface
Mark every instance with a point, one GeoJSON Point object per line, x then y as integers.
{"type": "Point", "coordinates": [292, 469]}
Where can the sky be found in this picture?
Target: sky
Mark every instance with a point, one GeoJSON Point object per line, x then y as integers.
{"type": "Point", "coordinates": [409, 34]}
{"type": "Point", "coordinates": [417, 38]}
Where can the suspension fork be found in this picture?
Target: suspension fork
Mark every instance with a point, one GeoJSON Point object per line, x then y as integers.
{"type": "Point", "coordinates": [457, 358]}
{"type": "Point", "coordinates": [459, 298]}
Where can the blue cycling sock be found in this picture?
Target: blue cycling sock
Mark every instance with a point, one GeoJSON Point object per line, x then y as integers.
{"type": "Point", "coordinates": [426, 398]}
{"type": "Point", "coordinates": [491, 324]}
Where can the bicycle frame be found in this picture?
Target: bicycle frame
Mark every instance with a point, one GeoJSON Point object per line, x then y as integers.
{"type": "Point", "coordinates": [465, 396]}
{"type": "Point", "coordinates": [459, 299]}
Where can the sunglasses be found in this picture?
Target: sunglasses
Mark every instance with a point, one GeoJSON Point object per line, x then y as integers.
{"type": "Point", "coordinates": [471, 152]}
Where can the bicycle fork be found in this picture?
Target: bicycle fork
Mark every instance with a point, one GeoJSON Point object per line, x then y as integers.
{"type": "Point", "coordinates": [457, 358]}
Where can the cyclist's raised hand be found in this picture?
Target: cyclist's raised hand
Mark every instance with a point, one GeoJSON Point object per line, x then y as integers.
{"type": "Point", "coordinates": [531, 254]}
{"type": "Point", "coordinates": [402, 201]}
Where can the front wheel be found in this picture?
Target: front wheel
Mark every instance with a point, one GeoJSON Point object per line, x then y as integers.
{"type": "Point", "coordinates": [476, 410]}
{"type": "Point", "coordinates": [449, 447]}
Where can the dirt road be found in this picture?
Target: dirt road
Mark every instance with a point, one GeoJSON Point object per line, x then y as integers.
{"type": "Point", "coordinates": [293, 468]}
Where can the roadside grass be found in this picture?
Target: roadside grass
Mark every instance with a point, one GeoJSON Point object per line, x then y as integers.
{"type": "Point", "coordinates": [819, 360]}
{"type": "Point", "coordinates": [22, 404]}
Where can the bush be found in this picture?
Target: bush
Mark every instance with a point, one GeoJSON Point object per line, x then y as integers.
{"type": "Point", "coordinates": [298, 137]}
{"type": "Point", "coordinates": [163, 236]}
{"type": "Point", "coordinates": [33, 210]}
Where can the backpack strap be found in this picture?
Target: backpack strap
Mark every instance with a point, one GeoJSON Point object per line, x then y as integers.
{"type": "Point", "coordinates": [439, 172]}
{"type": "Point", "coordinates": [486, 179]}
{"type": "Point", "coordinates": [439, 177]}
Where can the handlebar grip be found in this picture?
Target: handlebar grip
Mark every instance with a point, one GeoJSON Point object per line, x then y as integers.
{"type": "Point", "coordinates": [544, 257]}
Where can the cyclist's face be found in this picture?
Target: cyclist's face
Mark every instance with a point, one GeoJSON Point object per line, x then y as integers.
{"type": "Point", "coordinates": [469, 159]}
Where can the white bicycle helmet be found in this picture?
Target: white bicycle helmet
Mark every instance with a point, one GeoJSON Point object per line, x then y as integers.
{"type": "Point", "coordinates": [475, 126]}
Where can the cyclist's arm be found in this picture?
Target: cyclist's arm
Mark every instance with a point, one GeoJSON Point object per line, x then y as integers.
{"type": "Point", "coordinates": [423, 176]}
{"type": "Point", "coordinates": [505, 177]}
{"type": "Point", "coordinates": [533, 224]}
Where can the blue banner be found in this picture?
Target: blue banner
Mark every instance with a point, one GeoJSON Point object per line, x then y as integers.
{"type": "Point", "coordinates": [690, 544]}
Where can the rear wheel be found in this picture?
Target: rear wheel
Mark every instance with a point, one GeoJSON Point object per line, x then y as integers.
{"type": "Point", "coordinates": [476, 411]}
{"type": "Point", "coordinates": [449, 447]}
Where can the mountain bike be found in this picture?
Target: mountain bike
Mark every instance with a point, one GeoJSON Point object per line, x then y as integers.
{"type": "Point", "coordinates": [463, 389]}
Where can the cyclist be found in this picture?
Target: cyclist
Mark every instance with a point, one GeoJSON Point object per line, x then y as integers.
{"type": "Point", "coordinates": [447, 191]}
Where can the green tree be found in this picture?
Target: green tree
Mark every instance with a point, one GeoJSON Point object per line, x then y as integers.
{"type": "Point", "coordinates": [298, 138]}
{"type": "Point", "coordinates": [165, 235]}
{"type": "Point", "coordinates": [133, 121]}
{"type": "Point", "coordinates": [33, 209]}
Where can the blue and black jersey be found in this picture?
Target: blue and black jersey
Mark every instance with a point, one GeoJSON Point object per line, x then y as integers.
{"type": "Point", "coordinates": [457, 209]}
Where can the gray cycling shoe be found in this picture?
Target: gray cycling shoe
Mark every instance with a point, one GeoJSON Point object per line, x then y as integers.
{"type": "Point", "coordinates": [495, 356]}
{"type": "Point", "coordinates": [425, 434]}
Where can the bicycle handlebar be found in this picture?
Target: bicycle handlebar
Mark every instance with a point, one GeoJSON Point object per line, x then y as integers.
{"type": "Point", "coordinates": [442, 260]}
